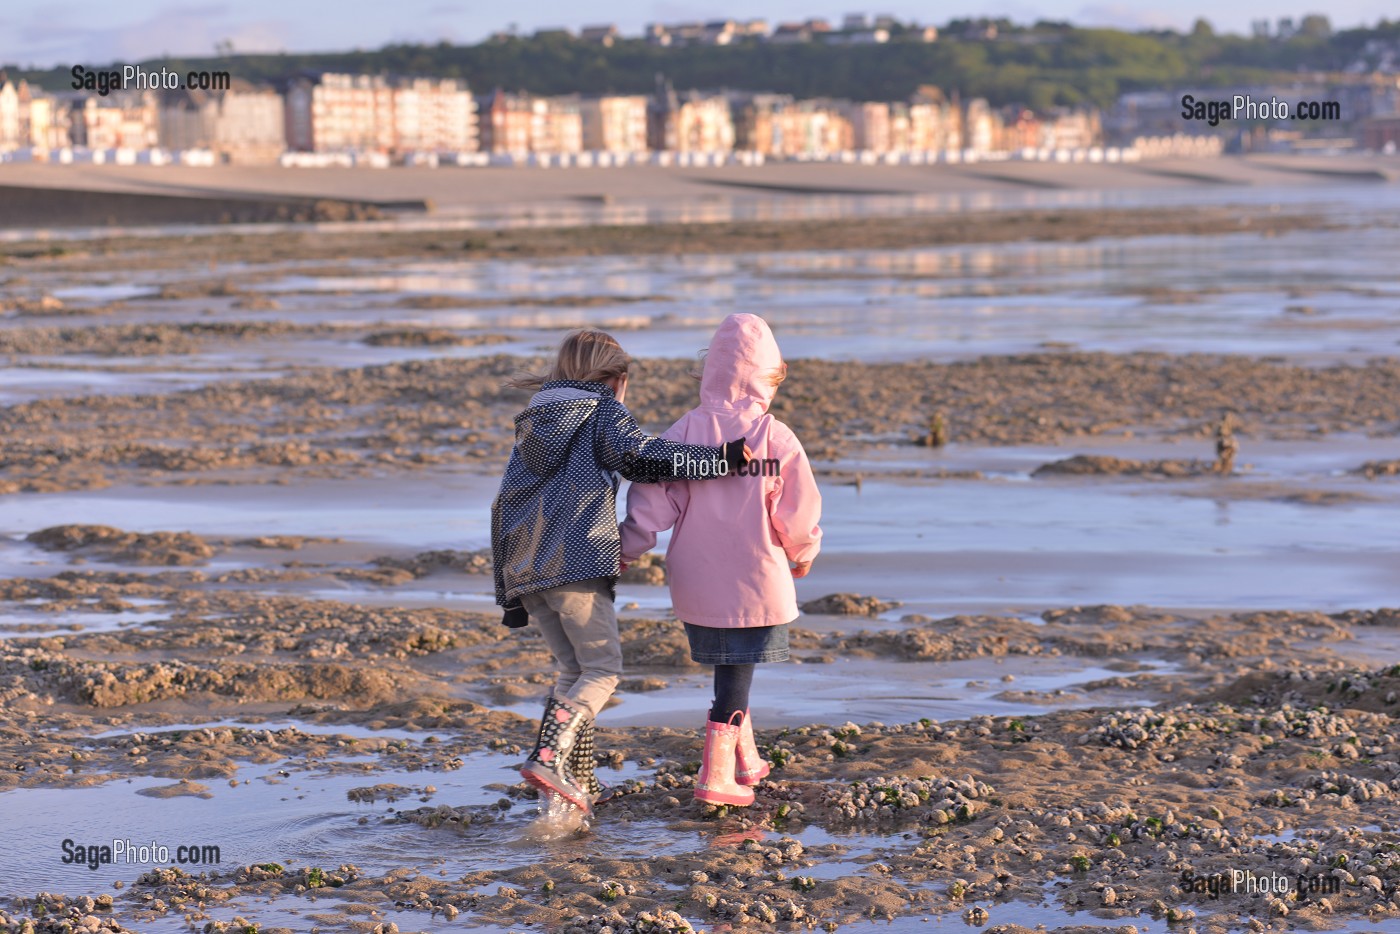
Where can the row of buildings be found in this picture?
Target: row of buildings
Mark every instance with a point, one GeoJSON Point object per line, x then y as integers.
{"type": "Point", "coordinates": [1367, 114]}
{"type": "Point", "coordinates": [400, 118]}
{"type": "Point", "coordinates": [854, 29]}
{"type": "Point", "coordinates": [403, 118]}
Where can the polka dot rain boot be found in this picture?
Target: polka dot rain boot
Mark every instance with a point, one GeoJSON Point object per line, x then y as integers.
{"type": "Point", "coordinates": [583, 766]}
{"type": "Point", "coordinates": [548, 767]}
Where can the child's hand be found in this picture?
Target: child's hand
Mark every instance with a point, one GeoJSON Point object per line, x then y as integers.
{"type": "Point", "coordinates": [737, 453]}
{"type": "Point", "coordinates": [802, 569]}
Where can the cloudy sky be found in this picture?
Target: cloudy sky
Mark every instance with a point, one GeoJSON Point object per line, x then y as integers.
{"type": "Point", "coordinates": [98, 32]}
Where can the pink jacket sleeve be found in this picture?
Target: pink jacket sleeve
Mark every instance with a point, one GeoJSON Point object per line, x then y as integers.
{"type": "Point", "coordinates": [651, 508]}
{"type": "Point", "coordinates": [795, 503]}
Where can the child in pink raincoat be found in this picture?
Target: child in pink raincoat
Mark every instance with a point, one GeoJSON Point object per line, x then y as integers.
{"type": "Point", "coordinates": [737, 543]}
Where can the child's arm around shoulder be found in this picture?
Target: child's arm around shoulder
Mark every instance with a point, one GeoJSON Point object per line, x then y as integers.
{"type": "Point", "coordinates": [794, 502]}
{"type": "Point", "coordinates": [641, 458]}
{"type": "Point", "coordinates": [651, 508]}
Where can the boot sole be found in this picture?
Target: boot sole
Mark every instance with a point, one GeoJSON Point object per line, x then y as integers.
{"type": "Point", "coordinates": [720, 797]}
{"type": "Point", "coordinates": [544, 784]}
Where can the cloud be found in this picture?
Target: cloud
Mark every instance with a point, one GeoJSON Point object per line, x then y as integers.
{"type": "Point", "coordinates": [1126, 16]}
{"type": "Point", "coordinates": [187, 30]}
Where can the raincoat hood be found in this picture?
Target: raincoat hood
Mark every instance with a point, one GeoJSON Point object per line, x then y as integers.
{"type": "Point", "coordinates": [739, 366]}
{"type": "Point", "coordinates": [545, 431]}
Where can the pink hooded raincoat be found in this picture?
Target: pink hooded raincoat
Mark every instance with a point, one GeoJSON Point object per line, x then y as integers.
{"type": "Point", "coordinates": [733, 538]}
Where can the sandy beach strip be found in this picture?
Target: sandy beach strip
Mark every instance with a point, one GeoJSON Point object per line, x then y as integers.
{"type": "Point", "coordinates": [467, 191]}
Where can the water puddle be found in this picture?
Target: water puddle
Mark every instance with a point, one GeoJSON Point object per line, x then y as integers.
{"type": "Point", "coordinates": [448, 510]}
{"type": "Point", "coordinates": [1334, 458]}
{"type": "Point", "coordinates": [257, 725]}
{"type": "Point", "coordinates": [304, 819]}
{"type": "Point", "coordinates": [31, 625]}
{"type": "Point", "coordinates": [939, 547]}
{"type": "Point", "coordinates": [296, 814]}
{"type": "Point", "coordinates": [964, 195]}
{"type": "Point", "coordinates": [961, 546]}
{"type": "Point", "coordinates": [113, 292]}
{"type": "Point", "coordinates": [1111, 295]}
{"type": "Point", "coordinates": [1217, 294]}
{"type": "Point", "coordinates": [26, 384]}
{"type": "Point", "coordinates": [865, 690]}
{"type": "Point", "coordinates": [1034, 916]}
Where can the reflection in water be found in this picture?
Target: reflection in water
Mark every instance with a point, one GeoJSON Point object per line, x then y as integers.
{"type": "Point", "coordinates": [1224, 294]}
{"type": "Point", "coordinates": [716, 208]}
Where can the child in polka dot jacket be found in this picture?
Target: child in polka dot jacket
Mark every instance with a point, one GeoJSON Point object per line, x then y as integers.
{"type": "Point", "coordinates": [554, 539]}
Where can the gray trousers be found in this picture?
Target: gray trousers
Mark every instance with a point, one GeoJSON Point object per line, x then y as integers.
{"type": "Point", "coordinates": [579, 625]}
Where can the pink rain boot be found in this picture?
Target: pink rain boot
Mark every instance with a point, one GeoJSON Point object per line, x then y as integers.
{"type": "Point", "coordinates": [751, 768]}
{"type": "Point", "coordinates": [715, 784]}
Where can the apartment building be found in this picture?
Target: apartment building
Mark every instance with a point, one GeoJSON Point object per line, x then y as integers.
{"type": "Point", "coordinates": [48, 123]}
{"type": "Point", "coordinates": [605, 36]}
{"type": "Point", "coordinates": [339, 113]}
{"type": "Point", "coordinates": [122, 120]}
{"type": "Point", "coordinates": [870, 125]}
{"type": "Point", "coordinates": [934, 123]}
{"type": "Point", "coordinates": [778, 126]}
{"type": "Point", "coordinates": [1381, 134]}
{"type": "Point", "coordinates": [816, 127]}
{"type": "Point", "coordinates": [556, 126]}
{"type": "Point", "coordinates": [614, 123]}
{"type": "Point", "coordinates": [432, 115]}
{"type": "Point", "coordinates": [757, 126]}
{"type": "Point", "coordinates": [505, 122]}
{"type": "Point", "coordinates": [690, 122]}
{"type": "Point", "coordinates": [245, 124]}
{"type": "Point", "coordinates": [370, 113]}
{"type": "Point", "coordinates": [982, 127]}
{"type": "Point", "coordinates": [1071, 129]}
{"type": "Point", "coordinates": [14, 114]}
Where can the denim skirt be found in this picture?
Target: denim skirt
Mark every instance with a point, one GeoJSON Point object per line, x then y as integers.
{"type": "Point", "coordinates": [712, 645]}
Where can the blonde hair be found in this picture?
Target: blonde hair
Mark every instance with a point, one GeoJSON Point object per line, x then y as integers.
{"type": "Point", "coordinates": [774, 377]}
{"type": "Point", "coordinates": [588, 355]}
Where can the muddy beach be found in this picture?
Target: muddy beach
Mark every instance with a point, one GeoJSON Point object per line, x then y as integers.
{"type": "Point", "coordinates": [337, 423]}
{"type": "Point", "coordinates": [1055, 667]}
{"type": "Point", "coordinates": [1243, 762]}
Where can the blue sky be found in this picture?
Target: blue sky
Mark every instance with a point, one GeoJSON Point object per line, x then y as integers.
{"type": "Point", "coordinates": [97, 32]}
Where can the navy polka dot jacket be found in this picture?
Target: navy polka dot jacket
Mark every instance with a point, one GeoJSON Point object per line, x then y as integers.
{"type": "Point", "coordinates": [554, 520]}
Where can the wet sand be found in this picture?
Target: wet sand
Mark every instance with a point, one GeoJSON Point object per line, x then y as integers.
{"type": "Point", "coordinates": [452, 191]}
{"type": "Point", "coordinates": [435, 413]}
{"type": "Point", "coordinates": [1074, 225]}
{"type": "Point", "coordinates": [1244, 762]}
{"type": "Point", "coordinates": [252, 611]}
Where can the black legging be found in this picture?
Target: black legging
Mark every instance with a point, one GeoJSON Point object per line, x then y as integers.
{"type": "Point", "coordinates": [732, 684]}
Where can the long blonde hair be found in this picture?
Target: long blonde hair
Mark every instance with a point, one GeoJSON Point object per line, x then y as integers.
{"type": "Point", "coordinates": [587, 354]}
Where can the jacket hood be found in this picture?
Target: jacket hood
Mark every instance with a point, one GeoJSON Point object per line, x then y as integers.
{"type": "Point", "coordinates": [739, 364]}
{"type": "Point", "coordinates": [545, 431]}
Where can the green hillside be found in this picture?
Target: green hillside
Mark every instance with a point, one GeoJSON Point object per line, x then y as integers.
{"type": "Point", "coordinates": [1042, 65]}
